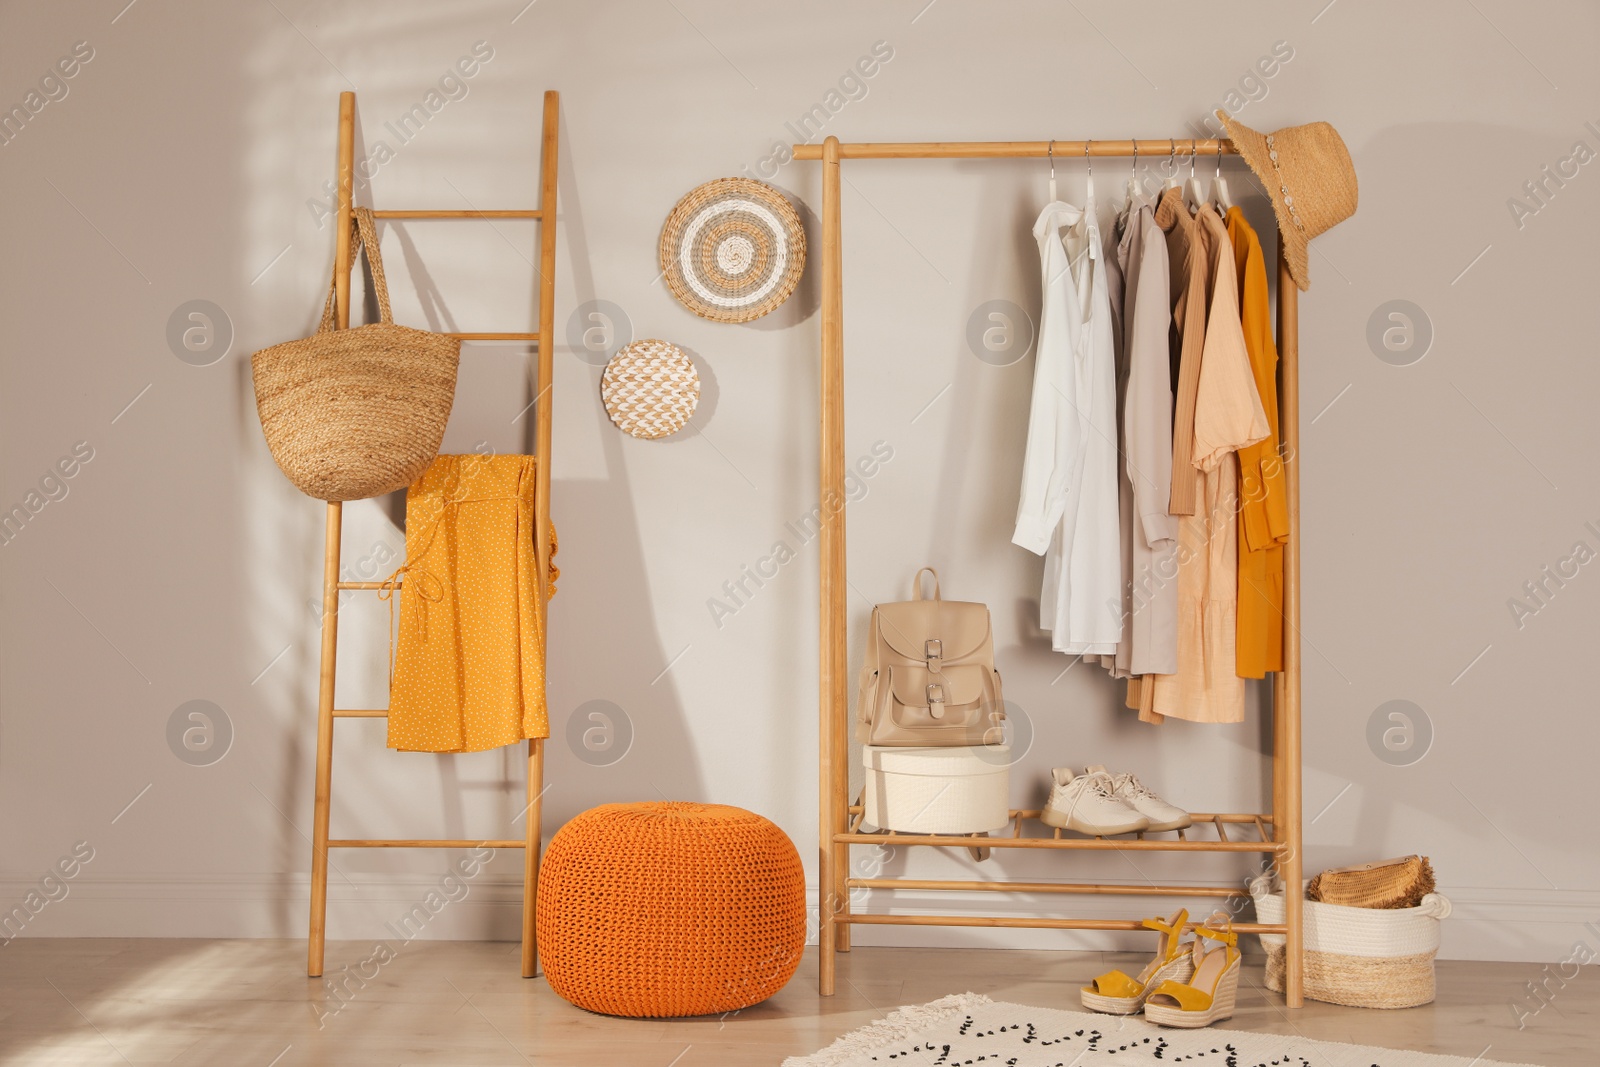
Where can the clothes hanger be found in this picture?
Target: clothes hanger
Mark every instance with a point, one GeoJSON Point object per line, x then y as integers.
{"type": "Point", "coordinates": [1093, 248]}
{"type": "Point", "coordinates": [1219, 185]}
{"type": "Point", "coordinates": [1196, 197]}
{"type": "Point", "coordinates": [1133, 176]}
{"type": "Point", "coordinates": [1172, 164]}
{"type": "Point", "coordinates": [1051, 152]}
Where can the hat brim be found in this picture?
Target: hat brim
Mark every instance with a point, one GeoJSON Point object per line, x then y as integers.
{"type": "Point", "coordinates": [1252, 146]}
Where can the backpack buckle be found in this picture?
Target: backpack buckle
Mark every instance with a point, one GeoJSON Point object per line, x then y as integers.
{"type": "Point", "coordinates": [933, 652]}
{"type": "Point", "coordinates": [934, 693]}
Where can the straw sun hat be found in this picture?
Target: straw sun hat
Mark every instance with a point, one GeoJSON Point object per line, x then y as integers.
{"type": "Point", "coordinates": [1310, 178]}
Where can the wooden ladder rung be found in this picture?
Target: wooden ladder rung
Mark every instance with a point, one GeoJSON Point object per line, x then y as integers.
{"type": "Point", "coordinates": [367, 585]}
{"type": "Point", "coordinates": [496, 336]}
{"type": "Point", "coordinates": [422, 213]}
{"type": "Point", "coordinates": [420, 842]}
{"type": "Point", "coordinates": [360, 713]}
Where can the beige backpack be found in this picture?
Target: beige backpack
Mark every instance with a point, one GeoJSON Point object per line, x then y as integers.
{"type": "Point", "coordinates": [928, 679]}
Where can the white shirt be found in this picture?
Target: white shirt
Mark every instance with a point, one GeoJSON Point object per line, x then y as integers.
{"type": "Point", "coordinates": [1068, 506]}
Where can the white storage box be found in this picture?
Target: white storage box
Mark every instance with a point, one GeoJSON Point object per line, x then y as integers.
{"type": "Point", "coordinates": [937, 790]}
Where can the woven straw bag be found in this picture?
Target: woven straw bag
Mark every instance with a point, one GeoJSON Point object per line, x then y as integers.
{"type": "Point", "coordinates": [1359, 957]}
{"type": "Point", "coordinates": [356, 413]}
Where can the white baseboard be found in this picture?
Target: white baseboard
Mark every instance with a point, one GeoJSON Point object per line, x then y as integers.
{"type": "Point", "coordinates": [1510, 924]}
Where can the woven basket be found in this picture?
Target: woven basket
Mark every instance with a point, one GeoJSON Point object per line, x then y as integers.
{"type": "Point", "coordinates": [1360, 981]}
{"type": "Point", "coordinates": [1359, 957]}
{"type": "Point", "coordinates": [356, 413]}
{"type": "Point", "coordinates": [733, 249]}
{"type": "Point", "coordinates": [662, 909]}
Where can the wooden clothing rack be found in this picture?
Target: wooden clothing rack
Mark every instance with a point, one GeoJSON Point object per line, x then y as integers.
{"type": "Point", "coordinates": [1276, 833]}
{"type": "Point", "coordinates": [545, 213]}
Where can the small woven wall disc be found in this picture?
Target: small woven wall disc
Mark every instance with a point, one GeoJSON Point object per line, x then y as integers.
{"type": "Point", "coordinates": [733, 249]}
{"type": "Point", "coordinates": [650, 389]}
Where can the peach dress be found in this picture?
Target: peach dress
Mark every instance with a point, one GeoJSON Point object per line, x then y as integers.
{"type": "Point", "coordinates": [1228, 416]}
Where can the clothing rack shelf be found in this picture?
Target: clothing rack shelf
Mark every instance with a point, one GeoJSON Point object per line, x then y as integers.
{"type": "Point", "coordinates": [332, 586]}
{"type": "Point", "coordinates": [1278, 833]}
{"type": "Point", "coordinates": [1137, 843]}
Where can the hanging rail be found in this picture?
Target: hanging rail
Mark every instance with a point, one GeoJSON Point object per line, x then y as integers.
{"type": "Point", "coordinates": [1063, 150]}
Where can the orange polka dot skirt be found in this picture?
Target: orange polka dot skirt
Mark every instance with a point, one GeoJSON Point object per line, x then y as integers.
{"type": "Point", "coordinates": [469, 661]}
{"type": "Point", "coordinates": [670, 908]}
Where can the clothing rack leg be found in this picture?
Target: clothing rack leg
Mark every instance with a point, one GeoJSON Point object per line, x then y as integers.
{"type": "Point", "coordinates": [1278, 761]}
{"type": "Point", "coordinates": [1291, 862]}
{"type": "Point", "coordinates": [832, 745]}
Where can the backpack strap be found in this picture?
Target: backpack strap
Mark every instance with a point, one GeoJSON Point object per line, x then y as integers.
{"type": "Point", "coordinates": [916, 584]}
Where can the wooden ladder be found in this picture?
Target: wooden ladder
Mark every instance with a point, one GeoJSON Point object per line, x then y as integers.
{"type": "Point", "coordinates": [332, 586]}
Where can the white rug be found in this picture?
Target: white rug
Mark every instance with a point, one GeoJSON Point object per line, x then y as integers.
{"type": "Point", "coordinates": [970, 1029]}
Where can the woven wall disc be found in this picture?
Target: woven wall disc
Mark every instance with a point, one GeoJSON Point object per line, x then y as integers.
{"type": "Point", "coordinates": [650, 389]}
{"type": "Point", "coordinates": [733, 249]}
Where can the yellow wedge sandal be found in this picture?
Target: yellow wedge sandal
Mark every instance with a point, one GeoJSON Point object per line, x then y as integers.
{"type": "Point", "coordinates": [1208, 996]}
{"type": "Point", "coordinates": [1116, 993]}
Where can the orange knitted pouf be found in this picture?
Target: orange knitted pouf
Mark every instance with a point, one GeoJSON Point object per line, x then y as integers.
{"type": "Point", "coordinates": [670, 908]}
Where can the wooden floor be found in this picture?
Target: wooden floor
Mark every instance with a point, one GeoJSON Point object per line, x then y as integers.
{"type": "Point", "coordinates": [131, 1001]}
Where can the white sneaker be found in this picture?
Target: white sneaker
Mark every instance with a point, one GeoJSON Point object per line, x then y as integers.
{"type": "Point", "coordinates": [1085, 803]}
{"type": "Point", "coordinates": [1132, 792]}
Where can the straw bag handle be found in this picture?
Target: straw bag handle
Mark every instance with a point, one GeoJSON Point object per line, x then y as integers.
{"type": "Point", "coordinates": [363, 233]}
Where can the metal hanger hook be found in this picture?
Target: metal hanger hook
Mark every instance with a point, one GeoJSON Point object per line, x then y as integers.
{"type": "Point", "coordinates": [1193, 152]}
{"type": "Point", "coordinates": [1051, 152]}
{"type": "Point", "coordinates": [1086, 157]}
{"type": "Point", "coordinates": [1219, 159]}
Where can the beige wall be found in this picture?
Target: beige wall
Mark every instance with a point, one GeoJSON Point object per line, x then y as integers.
{"type": "Point", "coordinates": [184, 163]}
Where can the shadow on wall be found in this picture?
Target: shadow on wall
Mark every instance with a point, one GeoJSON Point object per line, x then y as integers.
{"type": "Point", "coordinates": [618, 730]}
